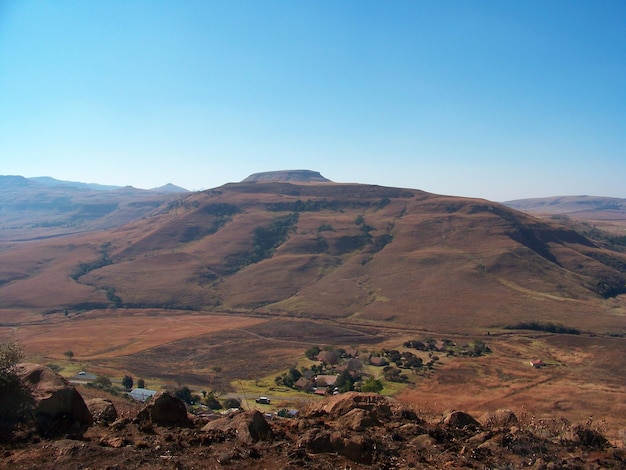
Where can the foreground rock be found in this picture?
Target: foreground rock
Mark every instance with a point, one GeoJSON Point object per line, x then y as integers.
{"type": "Point", "coordinates": [455, 419]}
{"type": "Point", "coordinates": [165, 409]}
{"type": "Point", "coordinates": [102, 411]}
{"type": "Point", "coordinates": [357, 431]}
{"type": "Point", "coordinates": [39, 400]}
{"type": "Point", "coordinates": [247, 427]}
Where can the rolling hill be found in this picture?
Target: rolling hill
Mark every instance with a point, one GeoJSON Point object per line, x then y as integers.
{"type": "Point", "coordinates": [44, 207]}
{"type": "Point", "coordinates": [582, 206]}
{"type": "Point", "coordinates": [339, 252]}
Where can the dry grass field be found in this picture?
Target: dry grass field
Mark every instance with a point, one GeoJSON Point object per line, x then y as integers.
{"type": "Point", "coordinates": [583, 376]}
{"type": "Point", "coordinates": [114, 334]}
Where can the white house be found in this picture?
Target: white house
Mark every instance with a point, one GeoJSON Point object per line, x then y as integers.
{"type": "Point", "coordinates": [142, 394]}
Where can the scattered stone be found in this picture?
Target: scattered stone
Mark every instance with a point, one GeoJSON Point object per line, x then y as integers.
{"type": "Point", "coordinates": [115, 442]}
{"type": "Point", "coordinates": [424, 441]}
{"type": "Point", "coordinates": [479, 438]}
{"type": "Point", "coordinates": [119, 424]}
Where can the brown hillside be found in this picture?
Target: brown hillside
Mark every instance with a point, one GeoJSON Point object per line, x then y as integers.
{"type": "Point", "coordinates": [358, 253]}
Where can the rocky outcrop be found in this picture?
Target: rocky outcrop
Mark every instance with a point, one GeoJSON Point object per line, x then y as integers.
{"type": "Point", "coordinates": [376, 433]}
{"type": "Point", "coordinates": [379, 407]}
{"type": "Point", "coordinates": [165, 409]}
{"type": "Point", "coordinates": [40, 400]}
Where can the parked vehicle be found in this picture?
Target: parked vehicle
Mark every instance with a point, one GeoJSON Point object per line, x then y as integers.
{"type": "Point", "coordinates": [263, 400]}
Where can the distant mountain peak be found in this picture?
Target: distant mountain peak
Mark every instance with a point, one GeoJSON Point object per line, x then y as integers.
{"type": "Point", "coordinates": [298, 176]}
{"type": "Point", "coordinates": [169, 188]}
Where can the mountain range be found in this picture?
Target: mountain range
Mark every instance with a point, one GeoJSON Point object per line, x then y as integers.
{"type": "Point", "coordinates": [294, 244]}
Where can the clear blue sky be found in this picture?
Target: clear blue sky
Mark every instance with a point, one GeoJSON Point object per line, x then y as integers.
{"type": "Point", "coordinates": [494, 99]}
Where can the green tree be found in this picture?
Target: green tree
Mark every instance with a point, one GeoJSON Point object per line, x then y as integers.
{"type": "Point", "coordinates": [312, 352]}
{"type": "Point", "coordinates": [184, 394]}
{"type": "Point", "coordinates": [345, 382]}
{"type": "Point", "coordinates": [372, 385]}
{"type": "Point", "coordinates": [69, 354]}
{"type": "Point", "coordinates": [141, 383]}
{"type": "Point", "coordinates": [127, 382]}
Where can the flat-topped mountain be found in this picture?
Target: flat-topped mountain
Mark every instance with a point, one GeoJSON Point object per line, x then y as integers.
{"type": "Point", "coordinates": [296, 176]}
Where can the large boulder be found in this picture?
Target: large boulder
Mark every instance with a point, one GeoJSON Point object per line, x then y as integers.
{"type": "Point", "coordinates": [500, 418]}
{"type": "Point", "coordinates": [454, 419]}
{"type": "Point", "coordinates": [249, 426]}
{"type": "Point", "coordinates": [357, 419]}
{"type": "Point", "coordinates": [102, 410]}
{"type": "Point", "coordinates": [41, 400]}
{"type": "Point", "coordinates": [165, 409]}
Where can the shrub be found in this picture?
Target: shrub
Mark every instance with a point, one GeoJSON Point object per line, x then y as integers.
{"type": "Point", "coordinates": [232, 403]}
{"type": "Point", "coordinates": [543, 326]}
{"type": "Point", "coordinates": [11, 354]}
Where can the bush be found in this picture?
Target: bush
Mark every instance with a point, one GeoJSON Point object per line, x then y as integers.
{"type": "Point", "coordinates": [232, 403]}
{"type": "Point", "coordinates": [102, 382]}
{"type": "Point", "coordinates": [213, 402]}
{"type": "Point", "coordinates": [11, 354]}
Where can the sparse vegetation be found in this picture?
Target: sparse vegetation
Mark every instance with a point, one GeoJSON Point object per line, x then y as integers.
{"type": "Point", "coordinates": [543, 326]}
{"type": "Point", "coordinates": [474, 348]}
{"type": "Point", "coordinates": [616, 242]}
{"type": "Point", "coordinates": [104, 260]}
{"type": "Point", "coordinates": [112, 297]}
{"type": "Point", "coordinates": [265, 242]}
